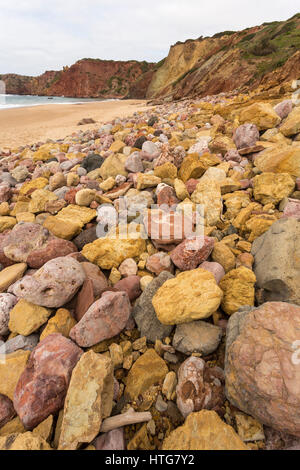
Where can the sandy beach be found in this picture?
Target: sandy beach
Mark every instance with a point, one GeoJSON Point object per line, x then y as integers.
{"type": "Point", "coordinates": [22, 126]}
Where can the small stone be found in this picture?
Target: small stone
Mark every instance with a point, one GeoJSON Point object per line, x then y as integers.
{"type": "Point", "coordinates": [169, 385]}
{"type": "Point", "coordinates": [147, 181]}
{"type": "Point", "coordinates": [11, 367]}
{"type": "Point", "coordinates": [215, 268]}
{"type": "Point", "coordinates": [145, 282]}
{"type": "Point", "coordinates": [7, 411]}
{"type": "Point", "coordinates": [26, 318]}
{"type": "Point", "coordinates": [238, 287]}
{"type": "Point", "coordinates": [223, 255]}
{"type": "Point", "coordinates": [148, 370]}
{"type": "Point", "coordinates": [97, 277]}
{"type": "Point", "coordinates": [248, 428]}
{"type": "Point", "coordinates": [62, 323]}
{"type": "Point", "coordinates": [116, 355]}
{"type": "Point", "coordinates": [161, 405]}
{"type": "Point", "coordinates": [144, 313]}
{"type": "Point", "coordinates": [84, 197]}
{"type": "Point", "coordinates": [26, 343]}
{"type": "Point", "coordinates": [192, 252]}
{"type": "Point", "coordinates": [7, 302]}
{"type": "Point", "coordinates": [128, 268]}
{"type": "Point", "coordinates": [158, 263]}
{"type": "Point", "coordinates": [112, 440]}
{"type": "Point", "coordinates": [197, 337]}
{"type": "Point", "coordinates": [11, 274]}
{"type": "Point", "coordinates": [26, 441]}
{"type": "Point", "coordinates": [131, 285]}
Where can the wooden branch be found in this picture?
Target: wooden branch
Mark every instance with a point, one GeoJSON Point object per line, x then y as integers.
{"type": "Point", "coordinates": [130, 417]}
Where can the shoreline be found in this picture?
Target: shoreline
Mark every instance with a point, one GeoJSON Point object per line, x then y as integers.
{"type": "Point", "coordinates": [31, 124]}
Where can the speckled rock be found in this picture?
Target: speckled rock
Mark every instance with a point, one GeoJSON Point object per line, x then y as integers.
{"type": "Point", "coordinates": [199, 387]}
{"type": "Point", "coordinates": [192, 252]}
{"type": "Point", "coordinates": [54, 284]}
{"type": "Point", "coordinates": [7, 302]}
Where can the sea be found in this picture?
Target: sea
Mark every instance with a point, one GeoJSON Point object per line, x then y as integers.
{"type": "Point", "coordinates": [22, 101]}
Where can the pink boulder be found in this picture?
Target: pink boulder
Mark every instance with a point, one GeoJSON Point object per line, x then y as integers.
{"type": "Point", "coordinates": [263, 364]}
{"type": "Point", "coordinates": [284, 108]}
{"type": "Point", "coordinates": [106, 318]}
{"type": "Point", "coordinates": [246, 136]}
{"type": "Point", "coordinates": [43, 385]}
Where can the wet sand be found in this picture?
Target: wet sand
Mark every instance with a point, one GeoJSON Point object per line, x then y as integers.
{"type": "Point", "coordinates": [22, 126]}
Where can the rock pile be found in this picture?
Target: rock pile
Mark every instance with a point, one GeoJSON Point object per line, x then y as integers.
{"type": "Point", "coordinates": [131, 257]}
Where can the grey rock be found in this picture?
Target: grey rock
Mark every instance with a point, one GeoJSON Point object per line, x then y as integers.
{"type": "Point", "coordinates": [277, 267]}
{"type": "Point", "coordinates": [27, 343]}
{"type": "Point", "coordinates": [144, 313]}
{"type": "Point", "coordinates": [197, 337]}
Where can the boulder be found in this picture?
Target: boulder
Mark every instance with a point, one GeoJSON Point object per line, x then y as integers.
{"type": "Point", "coordinates": [54, 284]}
{"type": "Point", "coordinates": [260, 114]}
{"type": "Point", "coordinates": [272, 188]}
{"type": "Point", "coordinates": [203, 431]}
{"type": "Point", "coordinates": [106, 318]}
{"type": "Point", "coordinates": [192, 295]}
{"type": "Point", "coordinates": [89, 400]}
{"type": "Point", "coordinates": [262, 365]}
{"type": "Point", "coordinates": [246, 136]}
{"type": "Point", "coordinates": [276, 266]}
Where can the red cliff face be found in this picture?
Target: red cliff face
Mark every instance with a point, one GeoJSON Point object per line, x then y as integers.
{"type": "Point", "coordinates": [87, 78]}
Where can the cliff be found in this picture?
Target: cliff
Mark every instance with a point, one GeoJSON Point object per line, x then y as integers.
{"type": "Point", "coordinates": [230, 60]}
{"type": "Point", "coordinates": [87, 78]}
{"type": "Point", "coordinates": [262, 56]}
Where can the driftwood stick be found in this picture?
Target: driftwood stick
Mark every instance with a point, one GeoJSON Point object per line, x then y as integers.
{"type": "Point", "coordinates": [130, 417]}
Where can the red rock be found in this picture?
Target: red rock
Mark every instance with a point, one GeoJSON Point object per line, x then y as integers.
{"type": "Point", "coordinates": [130, 285]}
{"type": "Point", "coordinates": [85, 299]}
{"type": "Point", "coordinates": [92, 272]}
{"type": "Point", "coordinates": [106, 318]}
{"type": "Point", "coordinates": [7, 411]}
{"type": "Point", "coordinates": [192, 252]}
{"type": "Point", "coordinates": [43, 385]}
{"type": "Point", "coordinates": [23, 239]}
{"type": "Point", "coordinates": [158, 263]}
{"type": "Point", "coordinates": [54, 248]}
{"type": "Point", "coordinates": [5, 192]}
{"type": "Point", "coordinates": [112, 440]}
{"type": "Point", "coordinates": [167, 196]}
{"type": "Point", "coordinates": [215, 268]}
{"type": "Point", "coordinates": [70, 195]}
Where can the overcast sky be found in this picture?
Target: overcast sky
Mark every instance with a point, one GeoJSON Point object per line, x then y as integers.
{"type": "Point", "coordinates": [39, 35]}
